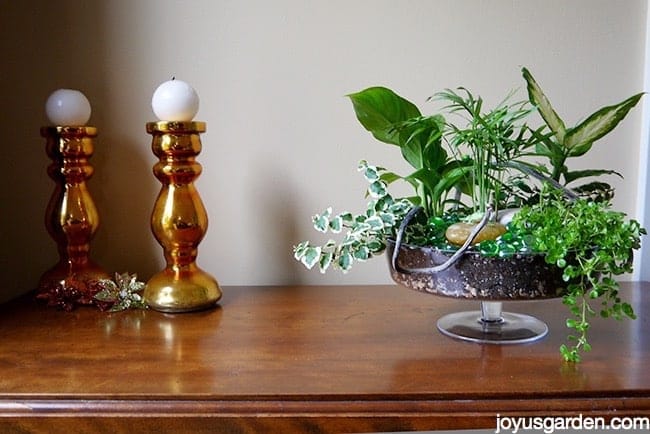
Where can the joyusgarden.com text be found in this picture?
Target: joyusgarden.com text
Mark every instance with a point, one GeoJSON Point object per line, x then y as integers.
{"type": "Point", "coordinates": [553, 424]}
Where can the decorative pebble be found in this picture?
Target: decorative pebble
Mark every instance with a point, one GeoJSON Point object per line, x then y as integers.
{"type": "Point", "coordinates": [505, 216]}
{"type": "Point", "coordinates": [458, 233]}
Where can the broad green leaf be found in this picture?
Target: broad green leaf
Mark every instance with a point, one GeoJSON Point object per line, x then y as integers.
{"type": "Point", "coordinates": [579, 150]}
{"type": "Point", "coordinates": [433, 153]}
{"type": "Point", "coordinates": [418, 135]}
{"type": "Point", "coordinates": [389, 177]}
{"type": "Point", "coordinates": [435, 157]}
{"type": "Point", "coordinates": [542, 150]}
{"type": "Point", "coordinates": [379, 108]}
{"type": "Point", "coordinates": [412, 153]}
{"type": "Point", "coordinates": [537, 98]}
{"type": "Point", "coordinates": [450, 179]}
{"type": "Point", "coordinates": [545, 145]}
{"type": "Point", "coordinates": [426, 177]}
{"type": "Point", "coordinates": [595, 191]}
{"type": "Point", "coordinates": [599, 123]}
{"type": "Point", "coordinates": [577, 174]}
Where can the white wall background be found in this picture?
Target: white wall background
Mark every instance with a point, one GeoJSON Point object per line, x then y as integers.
{"type": "Point", "coordinates": [282, 140]}
{"type": "Point", "coordinates": [642, 264]}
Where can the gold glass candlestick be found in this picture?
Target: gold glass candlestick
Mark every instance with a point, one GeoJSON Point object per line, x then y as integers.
{"type": "Point", "coordinates": [179, 221]}
{"type": "Point", "coordinates": [71, 218]}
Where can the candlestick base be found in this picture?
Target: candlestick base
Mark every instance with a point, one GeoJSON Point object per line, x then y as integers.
{"type": "Point", "coordinates": [179, 221]}
{"type": "Point", "coordinates": [71, 218]}
{"type": "Point", "coordinates": [88, 272]}
{"type": "Point", "coordinates": [186, 290]}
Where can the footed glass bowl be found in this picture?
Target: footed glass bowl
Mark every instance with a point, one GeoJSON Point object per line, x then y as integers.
{"type": "Point", "coordinates": [491, 281]}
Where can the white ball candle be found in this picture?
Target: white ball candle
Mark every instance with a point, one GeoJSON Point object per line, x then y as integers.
{"type": "Point", "coordinates": [67, 107]}
{"type": "Point", "coordinates": [175, 101]}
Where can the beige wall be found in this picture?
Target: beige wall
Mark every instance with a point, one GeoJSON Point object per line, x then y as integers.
{"type": "Point", "coordinates": [282, 141]}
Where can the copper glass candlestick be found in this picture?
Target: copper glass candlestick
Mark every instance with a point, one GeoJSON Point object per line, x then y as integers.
{"type": "Point", "coordinates": [71, 218]}
{"type": "Point", "coordinates": [179, 221]}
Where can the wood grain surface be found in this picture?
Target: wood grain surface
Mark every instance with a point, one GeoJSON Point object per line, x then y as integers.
{"type": "Point", "coordinates": [306, 359]}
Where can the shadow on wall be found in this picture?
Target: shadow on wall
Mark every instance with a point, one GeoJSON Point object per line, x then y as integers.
{"type": "Point", "coordinates": [126, 189]}
{"type": "Point", "coordinates": [38, 58]}
{"type": "Point", "coordinates": [50, 45]}
{"type": "Point", "coordinates": [124, 186]}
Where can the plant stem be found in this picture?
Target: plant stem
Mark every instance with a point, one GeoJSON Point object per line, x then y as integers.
{"type": "Point", "coordinates": [558, 168]}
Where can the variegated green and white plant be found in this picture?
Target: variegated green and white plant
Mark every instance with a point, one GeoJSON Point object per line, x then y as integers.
{"type": "Point", "coordinates": [561, 143]}
{"type": "Point", "coordinates": [365, 234]}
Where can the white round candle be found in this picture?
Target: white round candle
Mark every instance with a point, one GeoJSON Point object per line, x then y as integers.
{"type": "Point", "coordinates": [175, 101]}
{"type": "Point", "coordinates": [67, 107]}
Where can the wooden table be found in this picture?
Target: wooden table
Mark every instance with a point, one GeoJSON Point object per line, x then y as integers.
{"type": "Point", "coordinates": [305, 359]}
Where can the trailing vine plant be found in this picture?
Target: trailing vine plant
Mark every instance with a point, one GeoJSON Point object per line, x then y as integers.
{"type": "Point", "coordinates": [591, 244]}
{"type": "Point", "coordinates": [365, 234]}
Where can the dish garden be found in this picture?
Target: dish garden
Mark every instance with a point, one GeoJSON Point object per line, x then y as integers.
{"type": "Point", "coordinates": [497, 213]}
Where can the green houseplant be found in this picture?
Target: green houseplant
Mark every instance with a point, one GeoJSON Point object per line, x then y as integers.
{"type": "Point", "coordinates": [488, 184]}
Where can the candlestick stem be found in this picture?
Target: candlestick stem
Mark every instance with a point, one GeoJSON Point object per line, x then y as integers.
{"type": "Point", "coordinates": [71, 218]}
{"type": "Point", "coordinates": [179, 221]}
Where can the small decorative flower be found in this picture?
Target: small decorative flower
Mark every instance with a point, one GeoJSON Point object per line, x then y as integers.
{"type": "Point", "coordinates": [121, 294]}
{"type": "Point", "coordinates": [65, 294]}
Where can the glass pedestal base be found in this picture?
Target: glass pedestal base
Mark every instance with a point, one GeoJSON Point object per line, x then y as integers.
{"type": "Point", "coordinates": [492, 326]}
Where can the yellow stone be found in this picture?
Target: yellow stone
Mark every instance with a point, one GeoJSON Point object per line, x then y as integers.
{"type": "Point", "coordinates": [458, 233]}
